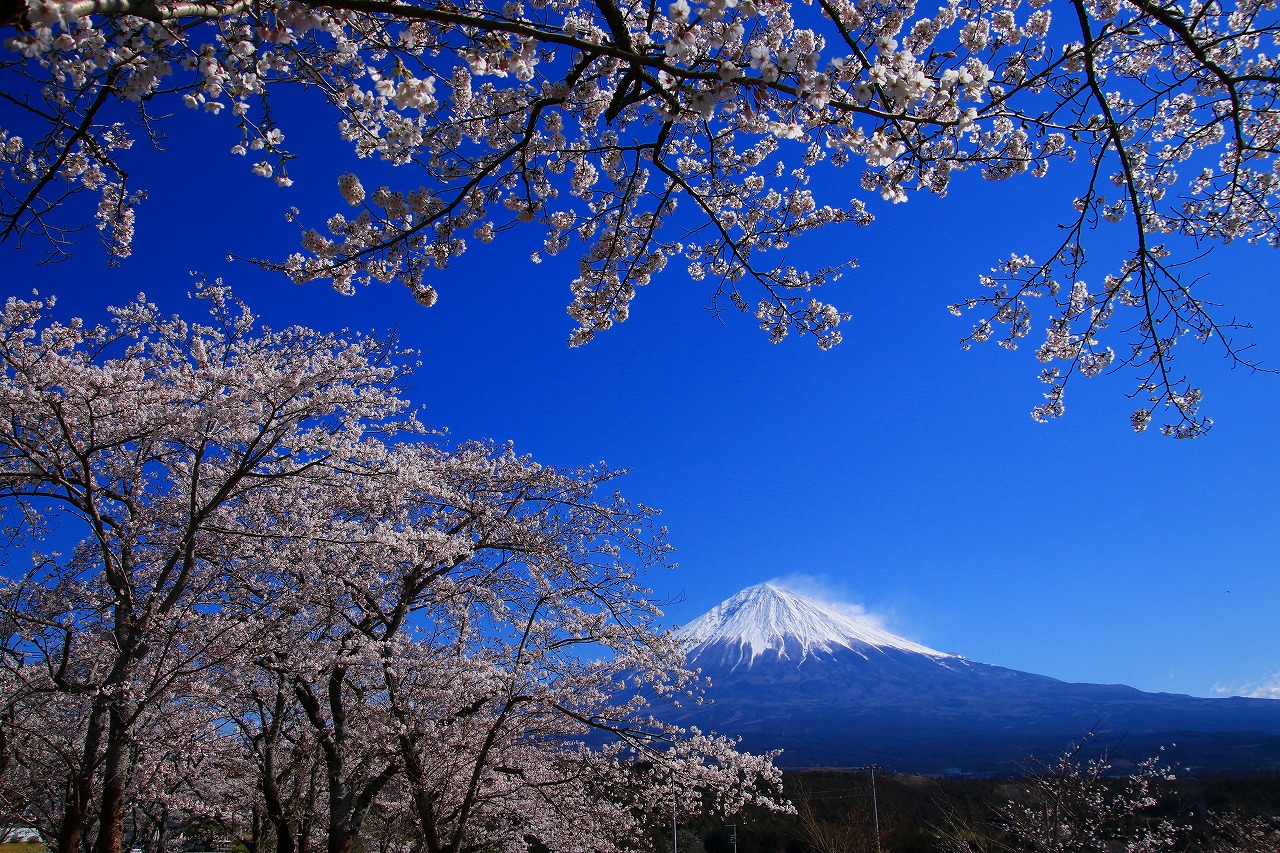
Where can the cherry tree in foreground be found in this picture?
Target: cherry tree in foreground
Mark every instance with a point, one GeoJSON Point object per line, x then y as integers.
{"type": "Point", "coordinates": [704, 135]}
{"type": "Point", "coordinates": [261, 595]}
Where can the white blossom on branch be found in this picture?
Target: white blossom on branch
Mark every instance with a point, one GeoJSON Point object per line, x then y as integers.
{"type": "Point", "coordinates": [640, 134]}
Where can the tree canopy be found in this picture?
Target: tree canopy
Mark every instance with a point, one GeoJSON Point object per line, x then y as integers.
{"type": "Point", "coordinates": [259, 594]}
{"type": "Point", "coordinates": [710, 135]}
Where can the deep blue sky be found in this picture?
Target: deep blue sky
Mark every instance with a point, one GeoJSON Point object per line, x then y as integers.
{"type": "Point", "coordinates": [896, 472]}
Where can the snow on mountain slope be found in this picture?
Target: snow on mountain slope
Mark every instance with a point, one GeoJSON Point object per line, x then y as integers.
{"type": "Point", "coordinates": [766, 619]}
{"type": "Point", "coordinates": [786, 672]}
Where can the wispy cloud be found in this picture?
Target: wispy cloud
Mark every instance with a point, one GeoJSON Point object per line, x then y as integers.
{"type": "Point", "coordinates": [834, 595]}
{"type": "Point", "coordinates": [1266, 688]}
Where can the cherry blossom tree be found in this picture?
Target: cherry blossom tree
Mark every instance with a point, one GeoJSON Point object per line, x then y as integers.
{"type": "Point", "coordinates": [1076, 803]}
{"type": "Point", "coordinates": [153, 437]}
{"type": "Point", "coordinates": [262, 595]}
{"type": "Point", "coordinates": [39, 736]}
{"type": "Point", "coordinates": [645, 133]}
{"type": "Point", "coordinates": [430, 622]}
{"type": "Point", "coordinates": [283, 784]}
{"type": "Point", "coordinates": [497, 742]}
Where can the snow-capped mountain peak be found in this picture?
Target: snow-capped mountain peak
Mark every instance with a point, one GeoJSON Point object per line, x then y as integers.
{"type": "Point", "coordinates": [789, 673]}
{"type": "Point", "coordinates": [766, 618]}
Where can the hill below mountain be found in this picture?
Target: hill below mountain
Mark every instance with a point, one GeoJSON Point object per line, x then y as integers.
{"type": "Point", "coordinates": [832, 690]}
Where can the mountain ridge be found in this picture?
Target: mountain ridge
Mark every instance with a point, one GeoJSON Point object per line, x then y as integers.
{"type": "Point", "coordinates": [832, 690]}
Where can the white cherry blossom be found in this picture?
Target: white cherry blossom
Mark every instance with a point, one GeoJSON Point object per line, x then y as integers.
{"type": "Point", "coordinates": [504, 106]}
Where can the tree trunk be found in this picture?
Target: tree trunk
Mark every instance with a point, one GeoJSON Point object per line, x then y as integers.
{"type": "Point", "coordinates": [307, 812]}
{"type": "Point", "coordinates": [349, 805]}
{"type": "Point", "coordinates": [423, 804]}
{"type": "Point", "coordinates": [341, 839]}
{"type": "Point", "coordinates": [277, 814]}
{"type": "Point", "coordinates": [162, 831]}
{"type": "Point", "coordinates": [115, 772]}
{"type": "Point", "coordinates": [73, 814]}
{"type": "Point", "coordinates": [75, 808]}
{"type": "Point", "coordinates": [256, 840]}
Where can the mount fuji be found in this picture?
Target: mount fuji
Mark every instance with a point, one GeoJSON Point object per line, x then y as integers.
{"type": "Point", "coordinates": [832, 690]}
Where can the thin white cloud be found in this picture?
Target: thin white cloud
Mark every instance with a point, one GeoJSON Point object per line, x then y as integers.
{"type": "Point", "coordinates": [825, 591]}
{"type": "Point", "coordinates": [1267, 688]}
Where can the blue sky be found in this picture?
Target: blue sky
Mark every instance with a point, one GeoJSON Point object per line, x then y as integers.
{"type": "Point", "coordinates": [896, 472]}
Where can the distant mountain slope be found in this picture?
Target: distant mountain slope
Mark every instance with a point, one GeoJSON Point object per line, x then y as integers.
{"type": "Point", "coordinates": [832, 690]}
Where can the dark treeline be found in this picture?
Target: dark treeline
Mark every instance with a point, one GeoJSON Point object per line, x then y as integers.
{"type": "Point", "coordinates": [923, 814]}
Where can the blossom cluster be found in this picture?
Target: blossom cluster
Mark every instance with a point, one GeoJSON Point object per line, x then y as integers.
{"type": "Point", "coordinates": [693, 130]}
